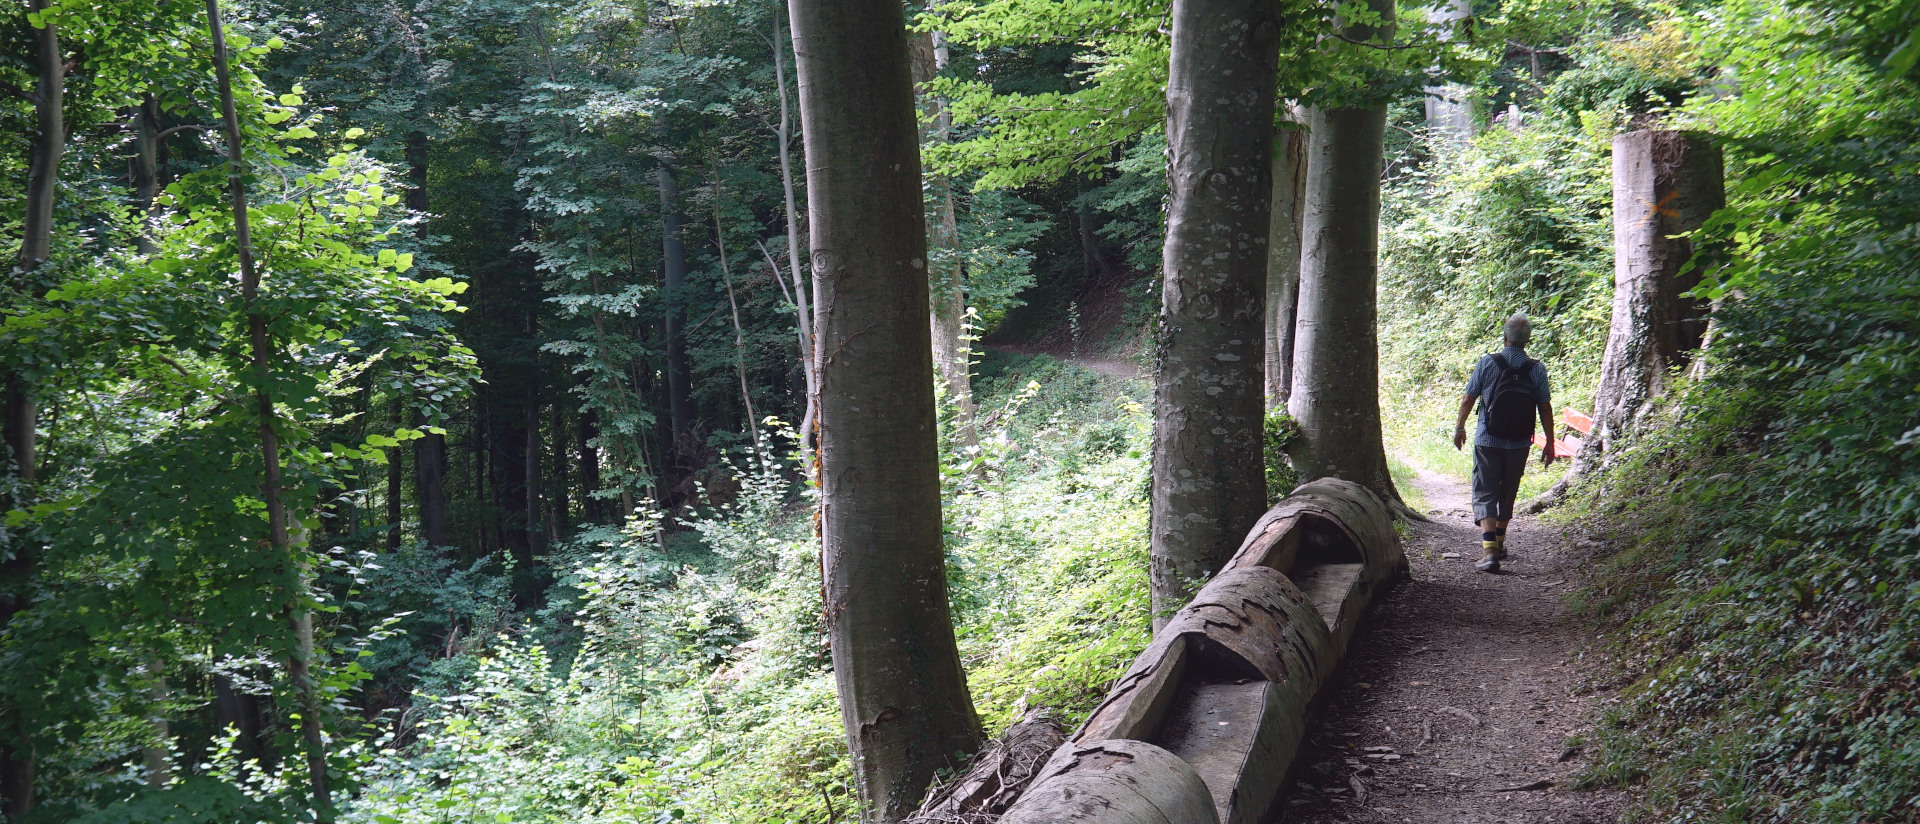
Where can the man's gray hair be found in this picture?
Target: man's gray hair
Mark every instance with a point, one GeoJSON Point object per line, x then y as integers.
{"type": "Point", "coordinates": [1519, 330]}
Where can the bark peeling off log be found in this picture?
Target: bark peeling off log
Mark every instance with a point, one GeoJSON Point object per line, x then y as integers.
{"type": "Point", "coordinates": [1138, 702]}
{"type": "Point", "coordinates": [1115, 782]}
{"type": "Point", "coordinates": [1263, 620]}
{"type": "Point", "coordinates": [997, 776]}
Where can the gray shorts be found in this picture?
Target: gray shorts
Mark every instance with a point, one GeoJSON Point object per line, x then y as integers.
{"type": "Point", "coordinates": [1496, 480]}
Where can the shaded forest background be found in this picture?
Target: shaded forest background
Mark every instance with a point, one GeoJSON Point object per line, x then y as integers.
{"type": "Point", "coordinates": [542, 362]}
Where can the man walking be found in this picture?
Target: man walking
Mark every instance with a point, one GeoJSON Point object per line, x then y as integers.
{"type": "Point", "coordinates": [1510, 388]}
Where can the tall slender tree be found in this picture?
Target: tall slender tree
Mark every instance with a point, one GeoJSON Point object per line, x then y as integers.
{"type": "Point", "coordinates": [260, 362]}
{"type": "Point", "coordinates": [430, 452]}
{"type": "Point", "coordinates": [903, 697]}
{"type": "Point", "coordinates": [21, 414]}
{"type": "Point", "coordinates": [951, 355]}
{"type": "Point", "coordinates": [673, 248]}
{"type": "Point", "coordinates": [1336, 375]}
{"type": "Point", "coordinates": [809, 354]}
{"type": "Point", "coordinates": [1208, 486]}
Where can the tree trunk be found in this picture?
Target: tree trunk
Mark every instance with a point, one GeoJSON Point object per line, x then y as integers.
{"type": "Point", "coordinates": [1208, 482]}
{"type": "Point", "coordinates": [430, 451]}
{"type": "Point", "coordinates": [903, 697]}
{"type": "Point", "coordinates": [589, 430]}
{"type": "Point", "coordinates": [530, 455]}
{"type": "Point", "coordinates": [679, 373]}
{"type": "Point", "coordinates": [809, 358]}
{"type": "Point", "coordinates": [560, 503]}
{"type": "Point", "coordinates": [739, 334]}
{"type": "Point", "coordinates": [1336, 370]}
{"type": "Point", "coordinates": [1449, 109]}
{"type": "Point", "coordinates": [145, 169]}
{"type": "Point", "coordinates": [430, 479]}
{"type": "Point", "coordinates": [1665, 184]}
{"type": "Point", "coordinates": [261, 353]}
{"type": "Point", "coordinates": [395, 475]}
{"type": "Point", "coordinates": [506, 454]}
{"type": "Point", "coordinates": [21, 415]}
{"type": "Point", "coordinates": [952, 357]}
{"type": "Point", "coordinates": [1283, 258]}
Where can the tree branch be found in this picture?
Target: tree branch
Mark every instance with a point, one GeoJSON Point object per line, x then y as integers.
{"type": "Point", "coordinates": [184, 127]}
{"type": "Point", "coordinates": [1389, 47]}
{"type": "Point", "coordinates": [21, 93]}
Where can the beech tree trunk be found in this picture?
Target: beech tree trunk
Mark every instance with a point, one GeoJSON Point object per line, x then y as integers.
{"type": "Point", "coordinates": [21, 413]}
{"type": "Point", "coordinates": [430, 451]}
{"type": "Point", "coordinates": [679, 372]}
{"type": "Point", "coordinates": [260, 358]}
{"type": "Point", "coordinates": [1449, 111]}
{"type": "Point", "coordinates": [1336, 375]}
{"type": "Point", "coordinates": [803, 325]}
{"type": "Point", "coordinates": [1665, 183]}
{"type": "Point", "coordinates": [1208, 486]}
{"type": "Point", "coordinates": [903, 697]}
{"type": "Point", "coordinates": [1283, 258]}
{"type": "Point", "coordinates": [951, 355]}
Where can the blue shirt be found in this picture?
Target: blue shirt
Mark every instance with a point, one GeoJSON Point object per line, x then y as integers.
{"type": "Point", "coordinates": [1482, 382]}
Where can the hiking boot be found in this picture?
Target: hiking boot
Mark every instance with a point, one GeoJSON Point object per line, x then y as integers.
{"type": "Point", "coordinates": [1499, 552]}
{"type": "Point", "coordinates": [1490, 560]}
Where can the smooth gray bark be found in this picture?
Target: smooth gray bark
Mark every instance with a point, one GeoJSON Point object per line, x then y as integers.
{"type": "Point", "coordinates": [145, 168]}
{"type": "Point", "coordinates": [1449, 107]}
{"type": "Point", "coordinates": [903, 697]}
{"type": "Point", "coordinates": [1336, 377]}
{"type": "Point", "coordinates": [1208, 486]}
{"type": "Point", "coordinates": [1283, 257]}
{"type": "Point", "coordinates": [952, 357]}
{"type": "Point", "coordinates": [809, 356]}
{"type": "Point", "coordinates": [1665, 184]}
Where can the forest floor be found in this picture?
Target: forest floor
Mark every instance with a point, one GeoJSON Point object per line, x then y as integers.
{"type": "Point", "coordinates": [1462, 691]}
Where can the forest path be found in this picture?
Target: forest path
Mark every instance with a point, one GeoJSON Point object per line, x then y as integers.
{"type": "Point", "coordinates": [1110, 365]}
{"type": "Point", "coordinates": [1459, 690]}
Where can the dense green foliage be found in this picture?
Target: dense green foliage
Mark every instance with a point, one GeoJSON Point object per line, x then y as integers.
{"type": "Point", "coordinates": [458, 210]}
{"type": "Point", "coordinates": [1771, 607]}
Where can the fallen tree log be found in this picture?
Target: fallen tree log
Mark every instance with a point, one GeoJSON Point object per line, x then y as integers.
{"type": "Point", "coordinates": [1224, 688]}
{"type": "Point", "coordinates": [1115, 782]}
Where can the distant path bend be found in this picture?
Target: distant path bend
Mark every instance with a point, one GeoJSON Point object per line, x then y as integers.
{"type": "Point", "coordinates": [1460, 690]}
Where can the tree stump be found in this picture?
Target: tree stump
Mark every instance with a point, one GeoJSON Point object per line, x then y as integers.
{"type": "Point", "coordinates": [1665, 183]}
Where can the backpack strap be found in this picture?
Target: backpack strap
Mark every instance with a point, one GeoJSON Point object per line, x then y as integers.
{"type": "Point", "coordinates": [1525, 362]}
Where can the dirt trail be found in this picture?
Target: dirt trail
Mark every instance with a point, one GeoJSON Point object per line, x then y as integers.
{"type": "Point", "coordinates": [1110, 365]}
{"type": "Point", "coordinates": [1460, 692]}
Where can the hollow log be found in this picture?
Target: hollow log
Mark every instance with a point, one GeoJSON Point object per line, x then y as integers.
{"type": "Point", "coordinates": [1335, 540]}
{"type": "Point", "coordinates": [1226, 684]}
{"type": "Point", "coordinates": [1115, 782]}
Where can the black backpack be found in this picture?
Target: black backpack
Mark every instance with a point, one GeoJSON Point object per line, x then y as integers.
{"type": "Point", "coordinates": [1509, 406]}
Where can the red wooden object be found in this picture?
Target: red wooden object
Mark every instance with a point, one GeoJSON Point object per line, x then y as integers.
{"type": "Point", "coordinates": [1567, 444]}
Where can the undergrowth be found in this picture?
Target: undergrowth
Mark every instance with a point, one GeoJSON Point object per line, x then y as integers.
{"type": "Point", "coordinates": [1762, 591]}
{"type": "Point", "coordinates": [672, 692]}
